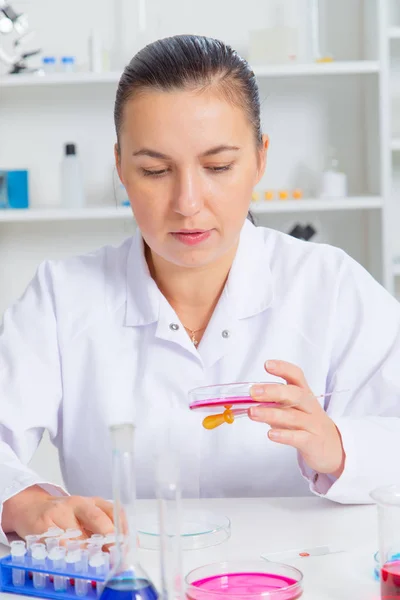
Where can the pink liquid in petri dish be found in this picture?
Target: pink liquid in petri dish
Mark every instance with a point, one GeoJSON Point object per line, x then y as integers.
{"type": "Point", "coordinates": [242, 586]}
{"type": "Point", "coordinates": [390, 580]}
{"type": "Point", "coordinates": [232, 401]}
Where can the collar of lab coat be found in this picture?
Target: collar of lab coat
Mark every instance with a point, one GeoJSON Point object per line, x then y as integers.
{"type": "Point", "coordinates": [248, 291]}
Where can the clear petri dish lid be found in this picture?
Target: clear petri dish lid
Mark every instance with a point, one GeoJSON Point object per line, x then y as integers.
{"type": "Point", "coordinates": [212, 398]}
{"type": "Point", "coordinates": [244, 580]}
{"type": "Point", "coordinates": [199, 529]}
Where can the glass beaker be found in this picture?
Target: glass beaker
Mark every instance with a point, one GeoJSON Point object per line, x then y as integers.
{"type": "Point", "coordinates": [127, 580]}
{"type": "Point", "coordinates": [388, 502]}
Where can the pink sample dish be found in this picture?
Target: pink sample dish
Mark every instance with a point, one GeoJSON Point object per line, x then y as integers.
{"type": "Point", "coordinates": [213, 398]}
{"type": "Point", "coordinates": [244, 580]}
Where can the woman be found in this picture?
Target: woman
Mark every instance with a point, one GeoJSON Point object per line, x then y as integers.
{"type": "Point", "coordinates": [200, 296]}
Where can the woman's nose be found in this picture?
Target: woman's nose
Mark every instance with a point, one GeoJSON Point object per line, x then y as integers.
{"type": "Point", "coordinates": [188, 199]}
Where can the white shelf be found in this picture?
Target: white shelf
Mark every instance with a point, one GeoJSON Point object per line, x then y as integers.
{"type": "Point", "coordinates": [110, 212]}
{"type": "Point", "coordinates": [334, 68]}
{"type": "Point", "coordinates": [394, 33]}
{"type": "Point", "coordinates": [395, 144]}
{"type": "Point", "coordinates": [317, 205]}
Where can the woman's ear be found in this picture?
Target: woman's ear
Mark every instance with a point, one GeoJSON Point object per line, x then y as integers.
{"type": "Point", "coordinates": [262, 157]}
{"type": "Point", "coordinates": [117, 156]}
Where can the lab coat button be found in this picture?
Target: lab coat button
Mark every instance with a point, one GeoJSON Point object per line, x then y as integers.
{"type": "Point", "coordinates": [226, 333]}
{"type": "Point", "coordinates": [174, 326]}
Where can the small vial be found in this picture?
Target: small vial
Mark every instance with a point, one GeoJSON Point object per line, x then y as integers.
{"type": "Point", "coordinates": [49, 64]}
{"type": "Point", "coordinates": [18, 552]}
{"type": "Point", "coordinates": [30, 540]}
{"type": "Point", "coordinates": [52, 532]}
{"type": "Point", "coordinates": [57, 556]}
{"type": "Point", "coordinates": [98, 564]}
{"type": "Point", "coordinates": [68, 64]}
{"type": "Point", "coordinates": [82, 585]}
{"type": "Point", "coordinates": [39, 560]}
{"type": "Point", "coordinates": [51, 542]}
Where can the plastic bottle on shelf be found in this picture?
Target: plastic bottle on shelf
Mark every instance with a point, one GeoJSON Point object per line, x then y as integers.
{"type": "Point", "coordinates": [72, 190]}
{"type": "Point", "coordinates": [49, 64]}
{"type": "Point", "coordinates": [68, 64]}
{"type": "Point", "coordinates": [334, 181]}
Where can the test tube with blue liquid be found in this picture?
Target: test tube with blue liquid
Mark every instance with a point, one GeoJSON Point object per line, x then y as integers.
{"type": "Point", "coordinates": [127, 580]}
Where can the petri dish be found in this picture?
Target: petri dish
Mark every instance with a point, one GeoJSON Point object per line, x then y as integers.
{"type": "Point", "coordinates": [212, 398]}
{"type": "Point", "coordinates": [199, 529]}
{"type": "Point", "coordinates": [244, 580]}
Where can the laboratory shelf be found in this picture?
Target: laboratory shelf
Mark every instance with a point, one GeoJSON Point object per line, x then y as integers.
{"type": "Point", "coordinates": [394, 33]}
{"type": "Point", "coordinates": [290, 70]}
{"type": "Point", "coordinates": [97, 213]}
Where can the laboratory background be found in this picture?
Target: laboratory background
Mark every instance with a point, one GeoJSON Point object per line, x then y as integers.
{"type": "Point", "coordinates": [329, 79]}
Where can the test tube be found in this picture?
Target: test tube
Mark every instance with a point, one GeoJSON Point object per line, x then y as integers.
{"type": "Point", "coordinates": [57, 556]}
{"type": "Point", "coordinates": [51, 542]}
{"type": "Point", "coordinates": [82, 585]}
{"type": "Point", "coordinates": [98, 563]}
{"type": "Point", "coordinates": [30, 540]}
{"type": "Point", "coordinates": [18, 552]}
{"type": "Point", "coordinates": [170, 510]}
{"type": "Point", "coordinates": [39, 560]}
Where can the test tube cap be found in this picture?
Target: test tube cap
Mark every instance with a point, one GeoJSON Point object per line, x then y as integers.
{"type": "Point", "coordinates": [18, 548]}
{"type": "Point", "coordinates": [97, 560]}
{"type": "Point", "coordinates": [38, 551]}
{"type": "Point", "coordinates": [71, 534]}
{"type": "Point", "coordinates": [57, 553]}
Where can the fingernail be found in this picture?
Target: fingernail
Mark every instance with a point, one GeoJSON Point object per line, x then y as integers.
{"type": "Point", "coordinates": [255, 413]}
{"type": "Point", "coordinates": [271, 365]}
{"type": "Point", "coordinates": [274, 435]}
{"type": "Point", "coordinates": [257, 391]}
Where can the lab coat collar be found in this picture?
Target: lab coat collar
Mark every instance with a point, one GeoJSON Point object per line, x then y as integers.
{"type": "Point", "coordinates": [249, 289]}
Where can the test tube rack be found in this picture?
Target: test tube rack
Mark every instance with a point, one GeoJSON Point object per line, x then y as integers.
{"type": "Point", "coordinates": [92, 579]}
{"type": "Point", "coordinates": [57, 564]}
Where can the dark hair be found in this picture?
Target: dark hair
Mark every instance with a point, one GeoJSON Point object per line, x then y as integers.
{"type": "Point", "coordinates": [190, 61]}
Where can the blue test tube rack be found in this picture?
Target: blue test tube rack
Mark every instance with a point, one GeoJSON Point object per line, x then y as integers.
{"type": "Point", "coordinates": [95, 580]}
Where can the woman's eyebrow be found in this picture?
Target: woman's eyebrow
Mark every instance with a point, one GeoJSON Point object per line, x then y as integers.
{"type": "Point", "coordinates": [210, 152]}
{"type": "Point", "coordinates": [151, 153]}
{"type": "Point", "coordinates": [218, 149]}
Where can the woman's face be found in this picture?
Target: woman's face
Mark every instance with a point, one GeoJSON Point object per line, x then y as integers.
{"type": "Point", "coordinates": [189, 162]}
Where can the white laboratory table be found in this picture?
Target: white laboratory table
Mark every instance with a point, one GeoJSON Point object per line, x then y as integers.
{"type": "Point", "coordinates": [274, 524]}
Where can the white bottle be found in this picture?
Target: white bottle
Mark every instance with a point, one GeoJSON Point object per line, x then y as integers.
{"type": "Point", "coordinates": [72, 192]}
{"type": "Point", "coordinates": [334, 181]}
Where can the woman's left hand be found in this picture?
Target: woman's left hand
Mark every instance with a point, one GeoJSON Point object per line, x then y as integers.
{"type": "Point", "coordinates": [303, 424]}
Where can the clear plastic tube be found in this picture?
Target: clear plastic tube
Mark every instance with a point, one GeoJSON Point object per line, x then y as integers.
{"type": "Point", "coordinates": [82, 585]}
{"type": "Point", "coordinates": [39, 554]}
{"type": "Point", "coordinates": [18, 552]}
{"type": "Point", "coordinates": [170, 511]}
{"type": "Point", "coordinates": [57, 555]}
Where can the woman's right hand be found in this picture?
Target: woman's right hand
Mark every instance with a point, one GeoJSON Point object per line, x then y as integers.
{"type": "Point", "coordinates": [34, 511]}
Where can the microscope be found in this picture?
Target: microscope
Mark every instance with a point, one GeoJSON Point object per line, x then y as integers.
{"type": "Point", "coordinates": [15, 23]}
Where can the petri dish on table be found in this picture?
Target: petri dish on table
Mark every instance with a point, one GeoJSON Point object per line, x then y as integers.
{"type": "Point", "coordinates": [244, 580]}
{"type": "Point", "coordinates": [212, 398]}
{"type": "Point", "coordinates": [199, 529]}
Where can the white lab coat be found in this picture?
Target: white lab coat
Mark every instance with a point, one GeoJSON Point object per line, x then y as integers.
{"type": "Point", "coordinates": [90, 344]}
